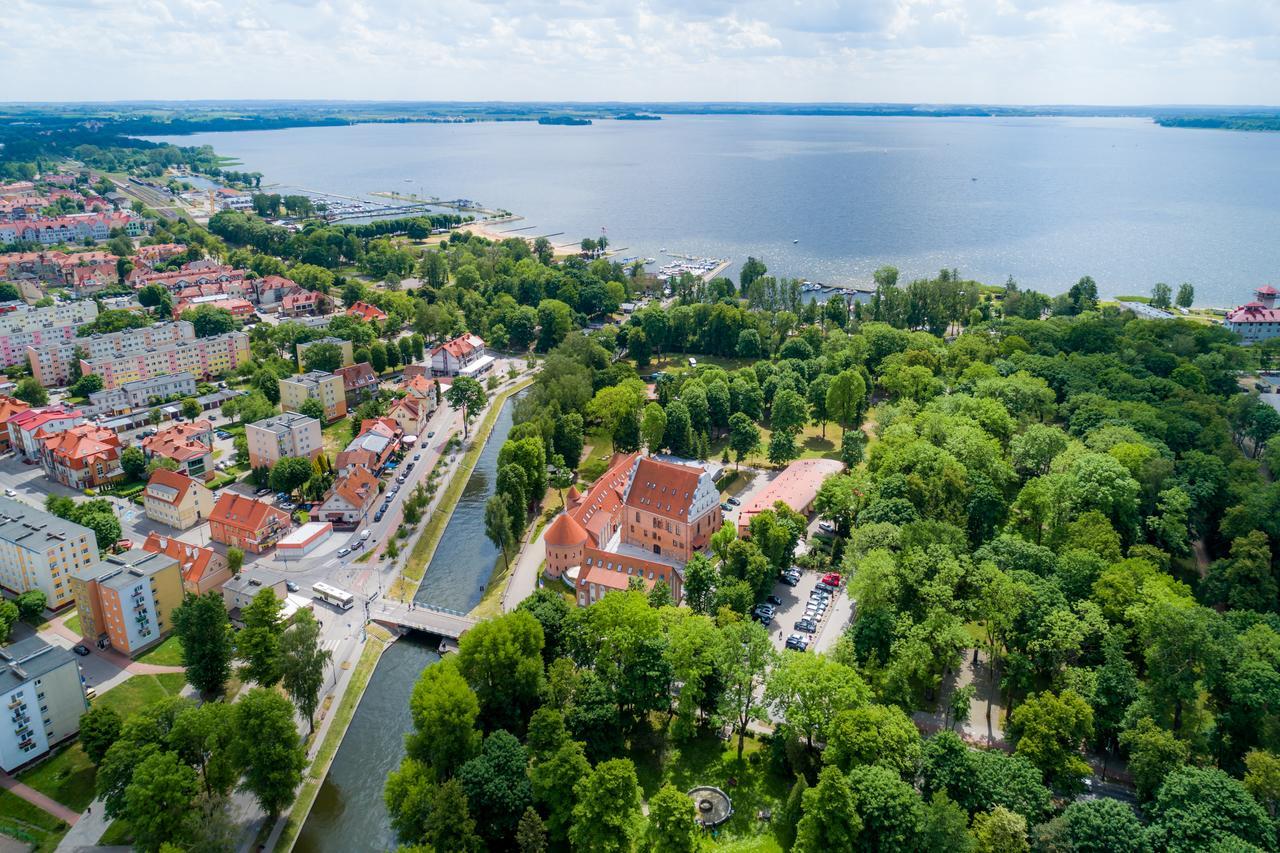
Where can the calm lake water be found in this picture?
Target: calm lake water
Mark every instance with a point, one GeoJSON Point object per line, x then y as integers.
{"type": "Point", "coordinates": [349, 814]}
{"type": "Point", "coordinates": [1045, 200]}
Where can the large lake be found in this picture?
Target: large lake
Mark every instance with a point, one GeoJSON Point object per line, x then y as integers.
{"type": "Point", "coordinates": [1045, 200]}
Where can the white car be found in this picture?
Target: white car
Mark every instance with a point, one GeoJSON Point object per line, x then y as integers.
{"type": "Point", "coordinates": [10, 493]}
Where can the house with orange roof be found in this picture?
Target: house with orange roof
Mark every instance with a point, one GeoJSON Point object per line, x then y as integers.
{"type": "Point", "coordinates": [350, 500]}
{"type": "Point", "coordinates": [797, 487]}
{"type": "Point", "coordinates": [302, 302]}
{"type": "Point", "coordinates": [411, 413]}
{"type": "Point", "coordinates": [366, 312]}
{"type": "Point", "coordinates": [203, 569]}
{"type": "Point", "coordinates": [9, 407]}
{"type": "Point", "coordinates": [464, 355]}
{"type": "Point", "coordinates": [644, 518]}
{"type": "Point", "coordinates": [189, 445]}
{"type": "Point", "coordinates": [251, 525]}
{"type": "Point", "coordinates": [82, 457]}
{"type": "Point", "coordinates": [176, 500]}
{"type": "Point", "coordinates": [28, 429]}
{"type": "Point", "coordinates": [379, 438]}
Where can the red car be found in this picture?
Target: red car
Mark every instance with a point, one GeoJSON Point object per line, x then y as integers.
{"type": "Point", "coordinates": [832, 578]}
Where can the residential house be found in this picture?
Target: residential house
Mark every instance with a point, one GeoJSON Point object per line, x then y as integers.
{"type": "Point", "coordinates": [241, 589]}
{"type": "Point", "coordinates": [288, 434]}
{"type": "Point", "coordinates": [250, 525]}
{"type": "Point", "coordinates": [128, 600]}
{"type": "Point", "coordinates": [86, 456]}
{"type": "Point", "coordinates": [145, 393]}
{"type": "Point", "coordinates": [189, 445]}
{"type": "Point", "coordinates": [372, 449]}
{"type": "Point", "coordinates": [9, 408]}
{"type": "Point", "coordinates": [315, 385]}
{"type": "Point", "coordinates": [270, 291]}
{"type": "Point", "coordinates": [350, 500]}
{"type": "Point", "coordinates": [203, 569]}
{"type": "Point", "coordinates": [366, 312]}
{"type": "Point", "coordinates": [411, 414]}
{"type": "Point", "coordinates": [176, 500]}
{"type": "Point", "coordinates": [29, 428]}
{"type": "Point", "coordinates": [41, 688]}
{"type": "Point", "coordinates": [302, 302]}
{"type": "Point", "coordinates": [462, 356]}
{"type": "Point", "coordinates": [241, 309]}
{"type": "Point", "coordinates": [40, 551]}
{"type": "Point", "coordinates": [359, 382]}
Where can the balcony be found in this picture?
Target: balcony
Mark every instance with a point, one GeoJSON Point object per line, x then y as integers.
{"type": "Point", "coordinates": [15, 702]}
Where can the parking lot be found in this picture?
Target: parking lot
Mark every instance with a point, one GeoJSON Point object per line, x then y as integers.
{"type": "Point", "coordinates": [794, 600]}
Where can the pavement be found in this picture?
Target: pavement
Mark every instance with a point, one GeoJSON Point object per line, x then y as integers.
{"type": "Point", "coordinates": [524, 579]}
{"type": "Point", "coordinates": [31, 795]}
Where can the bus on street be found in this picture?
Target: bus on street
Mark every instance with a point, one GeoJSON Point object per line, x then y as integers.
{"type": "Point", "coordinates": [339, 598]}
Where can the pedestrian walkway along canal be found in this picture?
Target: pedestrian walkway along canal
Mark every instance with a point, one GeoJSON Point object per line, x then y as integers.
{"type": "Point", "coordinates": [348, 814]}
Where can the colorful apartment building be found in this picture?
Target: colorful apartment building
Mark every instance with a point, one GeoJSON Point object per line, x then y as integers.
{"type": "Point", "coordinates": [251, 525]}
{"type": "Point", "coordinates": [28, 429]}
{"type": "Point", "coordinates": [43, 698]}
{"type": "Point", "coordinates": [204, 357]}
{"type": "Point", "coordinates": [176, 500]}
{"type": "Point", "coordinates": [51, 364]}
{"type": "Point", "coordinates": [85, 456]}
{"type": "Point", "coordinates": [127, 601]}
{"type": "Point", "coordinates": [315, 385]}
{"type": "Point", "coordinates": [289, 434]}
{"type": "Point", "coordinates": [40, 551]}
{"type": "Point", "coordinates": [22, 327]}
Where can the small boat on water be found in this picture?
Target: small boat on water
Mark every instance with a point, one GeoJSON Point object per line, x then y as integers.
{"type": "Point", "coordinates": [795, 241]}
{"type": "Point", "coordinates": [444, 648]}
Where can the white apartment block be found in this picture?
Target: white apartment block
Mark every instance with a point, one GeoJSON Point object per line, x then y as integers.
{"type": "Point", "coordinates": [42, 551]}
{"type": "Point", "coordinates": [43, 698]}
{"type": "Point", "coordinates": [51, 364]}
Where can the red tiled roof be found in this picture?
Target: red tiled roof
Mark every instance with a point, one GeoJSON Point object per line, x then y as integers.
{"type": "Point", "coordinates": [179, 442]}
{"type": "Point", "coordinates": [179, 482]}
{"type": "Point", "coordinates": [357, 487]}
{"type": "Point", "coordinates": [663, 488]}
{"type": "Point", "coordinates": [10, 407]}
{"type": "Point", "coordinates": [461, 345]}
{"type": "Point", "coordinates": [366, 312]}
{"type": "Point", "coordinates": [357, 376]}
{"type": "Point", "coordinates": [83, 444]}
{"type": "Point", "coordinates": [566, 530]}
{"type": "Point", "coordinates": [194, 560]}
{"type": "Point", "coordinates": [604, 498]}
{"type": "Point", "coordinates": [245, 513]}
{"type": "Point", "coordinates": [1254, 312]}
{"type": "Point", "coordinates": [1267, 290]}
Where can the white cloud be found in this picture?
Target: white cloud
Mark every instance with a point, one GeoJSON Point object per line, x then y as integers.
{"type": "Point", "coordinates": [993, 51]}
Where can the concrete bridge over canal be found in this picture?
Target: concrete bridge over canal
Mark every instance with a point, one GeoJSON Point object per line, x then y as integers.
{"type": "Point", "coordinates": [440, 621]}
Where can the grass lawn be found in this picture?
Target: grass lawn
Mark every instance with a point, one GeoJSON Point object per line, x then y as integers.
{"type": "Point", "coordinates": [598, 452]}
{"type": "Point", "coordinates": [23, 821]}
{"type": "Point", "coordinates": [810, 443]}
{"type": "Point", "coordinates": [336, 436]}
{"type": "Point", "coordinates": [707, 760]}
{"type": "Point", "coordinates": [67, 776]}
{"type": "Point", "coordinates": [130, 696]}
{"type": "Point", "coordinates": [118, 834]}
{"type": "Point", "coordinates": [73, 622]}
{"type": "Point", "coordinates": [168, 653]}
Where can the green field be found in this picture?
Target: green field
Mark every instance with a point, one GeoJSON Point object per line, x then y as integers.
{"type": "Point", "coordinates": [168, 653]}
{"type": "Point", "coordinates": [73, 622]}
{"type": "Point", "coordinates": [67, 776]}
{"type": "Point", "coordinates": [141, 690]}
{"type": "Point", "coordinates": [23, 821]}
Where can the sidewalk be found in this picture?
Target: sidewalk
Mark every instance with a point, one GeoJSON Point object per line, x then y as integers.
{"type": "Point", "coordinates": [524, 577]}
{"type": "Point", "coordinates": [37, 799]}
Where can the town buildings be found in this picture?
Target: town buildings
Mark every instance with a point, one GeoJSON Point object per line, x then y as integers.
{"type": "Point", "coordinates": [1258, 320]}
{"type": "Point", "coordinates": [359, 382]}
{"type": "Point", "coordinates": [43, 696]}
{"type": "Point", "coordinates": [128, 600]}
{"type": "Point", "coordinates": [250, 525]}
{"type": "Point", "coordinates": [40, 551]}
{"type": "Point", "coordinates": [10, 407]}
{"type": "Point", "coordinates": [643, 519]}
{"type": "Point", "coordinates": [176, 500]}
{"type": "Point", "coordinates": [72, 228]}
{"type": "Point", "coordinates": [797, 487]}
{"type": "Point", "coordinates": [86, 456]}
{"type": "Point", "coordinates": [315, 385]}
{"type": "Point", "coordinates": [288, 434]}
{"type": "Point", "coordinates": [241, 309]}
{"type": "Point", "coordinates": [22, 327]}
{"type": "Point", "coordinates": [136, 354]}
{"type": "Point", "coordinates": [411, 413]}
{"type": "Point", "coordinates": [51, 364]}
{"type": "Point", "coordinates": [379, 438]}
{"type": "Point", "coordinates": [29, 428]}
{"type": "Point", "coordinates": [144, 393]}
{"type": "Point", "coordinates": [188, 445]}
{"type": "Point", "coordinates": [462, 356]}
{"type": "Point", "coordinates": [366, 312]}
{"type": "Point", "coordinates": [203, 569]}
{"type": "Point", "coordinates": [351, 498]}
{"type": "Point", "coordinates": [303, 540]}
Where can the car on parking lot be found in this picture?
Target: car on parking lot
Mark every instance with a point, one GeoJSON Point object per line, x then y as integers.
{"type": "Point", "coordinates": [808, 625]}
{"type": "Point", "coordinates": [408, 466]}
{"type": "Point", "coordinates": [789, 580]}
{"type": "Point", "coordinates": [832, 578]}
{"type": "Point", "coordinates": [826, 527]}
{"type": "Point", "coordinates": [80, 649]}
{"type": "Point", "coordinates": [774, 600]}
{"type": "Point", "coordinates": [725, 508]}
{"type": "Point", "coordinates": [10, 493]}
{"type": "Point", "coordinates": [262, 492]}
{"type": "Point", "coordinates": [798, 642]}
{"type": "Point", "coordinates": [734, 502]}
{"type": "Point", "coordinates": [291, 586]}
{"type": "Point", "coordinates": [222, 433]}
{"type": "Point", "coordinates": [825, 587]}
{"type": "Point", "coordinates": [342, 552]}
{"type": "Point", "coordinates": [401, 478]}
{"type": "Point", "coordinates": [764, 613]}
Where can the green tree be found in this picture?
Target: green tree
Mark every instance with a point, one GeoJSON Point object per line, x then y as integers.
{"type": "Point", "coordinates": [1050, 731]}
{"type": "Point", "coordinates": [450, 825]}
{"type": "Point", "coordinates": [808, 690]}
{"type": "Point", "coordinates": [31, 604]}
{"type": "Point", "coordinates": [408, 795]}
{"type": "Point", "coordinates": [134, 463]}
{"type": "Point", "coordinates": [209, 320]}
{"type": "Point", "coordinates": [502, 661]}
{"type": "Point", "coordinates": [1154, 753]}
{"type": "Point", "coordinates": [326, 357]}
{"type": "Point", "coordinates": [8, 618]}
{"type": "Point", "coordinates": [497, 787]}
{"type": "Point", "coordinates": [782, 447]}
{"type": "Point", "coordinates": [744, 437]}
{"type": "Point", "coordinates": [290, 473]}
{"type": "Point", "coordinates": [258, 643]}
{"type": "Point", "coordinates": [312, 408]}
{"type": "Point", "coordinates": [945, 826]}
{"type": "Point", "coordinates": [672, 824]}
{"type": "Point", "coordinates": [555, 779]}
{"type": "Point", "coordinates": [845, 396]}
{"type": "Point", "coordinates": [497, 526]}
{"type": "Point", "coordinates": [31, 391]}
{"type": "Point", "coordinates": [1000, 831]}
{"type": "Point", "coordinates": [748, 656]}
{"type": "Point", "coordinates": [1161, 295]}
{"type": "Point", "coordinates": [653, 427]}
{"type": "Point", "coordinates": [445, 710]}
{"type": "Point", "coordinates": [607, 816]}
{"type": "Point", "coordinates": [269, 748]}
{"type": "Point", "coordinates": [874, 734]}
{"type": "Point", "coordinates": [1102, 825]}
{"type": "Point", "coordinates": [468, 395]}
{"type": "Point", "coordinates": [788, 817]}
{"type": "Point", "coordinates": [1186, 295]}
{"type": "Point", "coordinates": [531, 833]}
{"type": "Point", "coordinates": [1261, 778]}
{"type": "Point", "coordinates": [1200, 808]}
{"type": "Point", "coordinates": [235, 559]}
{"type": "Point", "coordinates": [302, 664]}
{"type": "Point", "coordinates": [890, 808]}
{"type": "Point", "coordinates": [99, 728]}
{"type": "Point", "coordinates": [204, 631]}
{"type": "Point", "coordinates": [160, 800]}
{"type": "Point", "coordinates": [831, 820]}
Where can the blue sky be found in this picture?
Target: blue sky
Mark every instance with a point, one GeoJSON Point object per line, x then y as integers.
{"type": "Point", "coordinates": [993, 51]}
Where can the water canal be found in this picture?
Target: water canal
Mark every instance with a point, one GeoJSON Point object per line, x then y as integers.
{"type": "Point", "coordinates": [348, 814]}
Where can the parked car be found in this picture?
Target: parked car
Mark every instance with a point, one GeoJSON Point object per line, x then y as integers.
{"type": "Point", "coordinates": [80, 649]}
{"type": "Point", "coordinates": [807, 625]}
{"type": "Point", "coordinates": [725, 507]}
{"type": "Point", "coordinates": [377, 516]}
{"type": "Point", "coordinates": [789, 580]}
{"type": "Point", "coordinates": [291, 586]}
{"type": "Point", "coordinates": [832, 578]}
{"type": "Point", "coordinates": [774, 600]}
{"type": "Point", "coordinates": [826, 527]}
{"type": "Point", "coordinates": [262, 492]}
{"type": "Point", "coordinates": [359, 543]}
{"type": "Point", "coordinates": [10, 493]}
{"type": "Point", "coordinates": [734, 502]}
{"type": "Point", "coordinates": [344, 551]}
{"type": "Point", "coordinates": [431, 434]}
{"type": "Point", "coordinates": [222, 433]}
{"type": "Point", "coordinates": [798, 642]}
{"type": "Point", "coordinates": [825, 587]}
{"type": "Point", "coordinates": [417, 456]}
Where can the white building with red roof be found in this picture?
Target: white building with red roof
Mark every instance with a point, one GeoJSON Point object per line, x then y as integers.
{"type": "Point", "coordinates": [366, 312]}
{"type": "Point", "coordinates": [189, 445]}
{"type": "Point", "coordinates": [177, 500]}
{"type": "Point", "coordinates": [28, 429]}
{"type": "Point", "coordinates": [1258, 320]}
{"type": "Point", "coordinates": [84, 456]}
{"type": "Point", "coordinates": [462, 356]}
